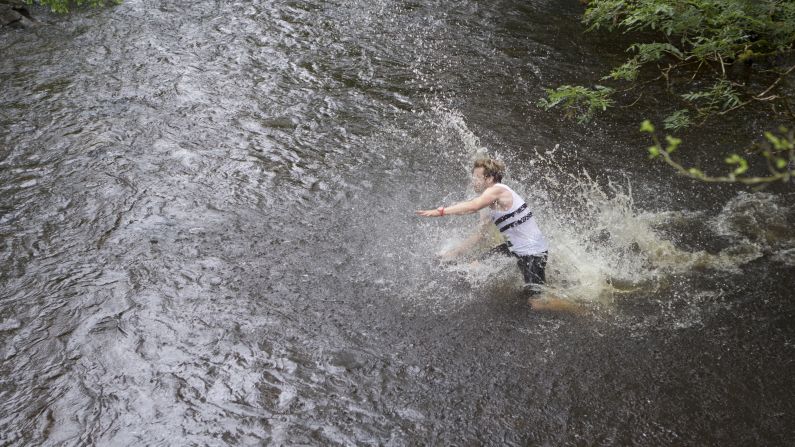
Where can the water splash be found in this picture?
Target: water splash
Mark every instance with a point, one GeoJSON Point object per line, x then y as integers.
{"type": "Point", "coordinates": [759, 222]}
{"type": "Point", "coordinates": [602, 242]}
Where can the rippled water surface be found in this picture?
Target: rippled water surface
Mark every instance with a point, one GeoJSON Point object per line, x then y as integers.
{"type": "Point", "coordinates": [206, 216]}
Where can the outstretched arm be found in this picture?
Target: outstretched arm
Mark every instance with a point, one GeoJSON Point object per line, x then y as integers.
{"type": "Point", "coordinates": [488, 197]}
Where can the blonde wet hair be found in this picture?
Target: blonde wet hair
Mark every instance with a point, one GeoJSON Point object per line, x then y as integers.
{"type": "Point", "coordinates": [491, 168]}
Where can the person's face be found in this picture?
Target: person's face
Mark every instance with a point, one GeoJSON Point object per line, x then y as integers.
{"type": "Point", "coordinates": [479, 181]}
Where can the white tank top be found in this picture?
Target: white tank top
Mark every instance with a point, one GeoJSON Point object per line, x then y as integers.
{"type": "Point", "coordinates": [519, 227]}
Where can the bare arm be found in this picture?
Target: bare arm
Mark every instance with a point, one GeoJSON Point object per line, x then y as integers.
{"type": "Point", "coordinates": [474, 239]}
{"type": "Point", "coordinates": [488, 197]}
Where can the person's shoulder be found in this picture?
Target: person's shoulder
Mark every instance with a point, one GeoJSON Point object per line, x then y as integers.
{"type": "Point", "coordinates": [500, 188]}
{"type": "Point", "coordinates": [494, 189]}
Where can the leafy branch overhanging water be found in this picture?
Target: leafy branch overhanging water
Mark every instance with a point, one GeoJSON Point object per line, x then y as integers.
{"type": "Point", "coordinates": [63, 6]}
{"type": "Point", "coordinates": [716, 58]}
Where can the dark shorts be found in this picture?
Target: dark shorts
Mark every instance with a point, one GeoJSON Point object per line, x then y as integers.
{"type": "Point", "coordinates": [532, 266]}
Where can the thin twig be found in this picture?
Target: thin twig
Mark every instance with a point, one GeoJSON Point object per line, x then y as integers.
{"type": "Point", "coordinates": [777, 81]}
{"type": "Point", "coordinates": [697, 70]}
{"type": "Point", "coordinates": [724, 179]}
{"type": "Point", "coordinates": [636, 101]}
{"type": "Point", "coordinates": [743, 104]}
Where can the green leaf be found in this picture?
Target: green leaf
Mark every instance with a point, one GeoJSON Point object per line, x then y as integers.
{"type": "Point", "coordinates": [673, 143]}
{"type": "Point", "coordinates": [742, 163]}
{"type": "Point", "coordinates": [647, 126]}
{"type": "Point", "coordinates": [780, 144]}
{"type": "Point", "coordinates": [627, 72]}
{"type": "Point", "coordinates": [62, 6]}
{"type": "Point", "coordinates": [652, 52]}
{"type": "Point", "coordinates": [578, 101]}
{"type": "Point", "coordinates": [677, 120]}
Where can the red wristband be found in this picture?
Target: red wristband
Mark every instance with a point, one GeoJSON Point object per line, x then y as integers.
{"type": "Point", "coordinates": [441, 211]}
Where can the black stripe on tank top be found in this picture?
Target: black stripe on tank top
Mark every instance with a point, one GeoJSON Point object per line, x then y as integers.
{"type": "Point", "coordinates": [517, 222]}
{"type": "Point", "coordinates": [509, 215]}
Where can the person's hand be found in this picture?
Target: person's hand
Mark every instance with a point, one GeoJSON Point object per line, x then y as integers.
{"type": "Point", "coordinates": [428, 213]}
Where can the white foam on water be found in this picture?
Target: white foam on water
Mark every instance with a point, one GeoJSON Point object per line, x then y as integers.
{"type": "Point", "coordinates": [759, 223]}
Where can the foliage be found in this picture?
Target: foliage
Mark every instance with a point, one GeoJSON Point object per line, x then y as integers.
{"type": "Point", "coordinates": [777, 150]}
{"type": "Point", "coordinates": [646, 52]}
{"type": "Point", "coordinates": [720, 97]}
{"type": "Point", "coordinates": [678, 120]}
{"type": "Point", "coordinates": [698, 47]}
{"type": "Point", "coordinates": [62, 6]}
{"type": "Point", "coordinates": [578, 100]}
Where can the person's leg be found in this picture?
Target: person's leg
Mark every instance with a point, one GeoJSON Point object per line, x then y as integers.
{"type": "Point", "coordinates": [555, 305]}
{"type": "Point", "coordinates": [533, 269]}
{"type": "Point", "coordinates": [538, 269]}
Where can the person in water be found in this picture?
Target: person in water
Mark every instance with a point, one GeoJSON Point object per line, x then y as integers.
{"type": "Point", "coordinates": [501, 206]}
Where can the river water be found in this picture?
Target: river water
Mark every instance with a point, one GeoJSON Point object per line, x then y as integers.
{"type": "Point", "coordinates": [206, 216]}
